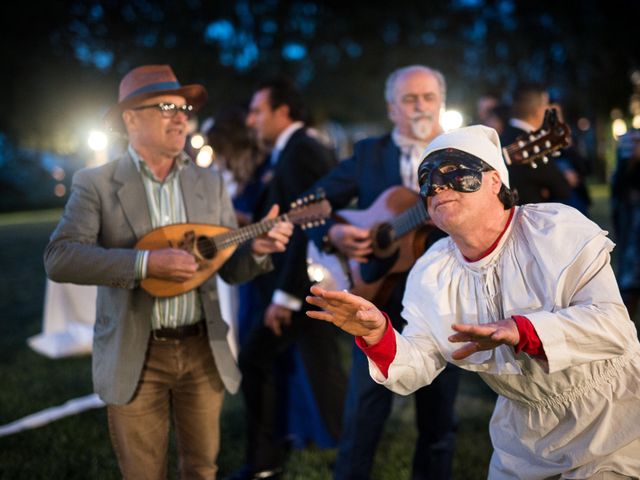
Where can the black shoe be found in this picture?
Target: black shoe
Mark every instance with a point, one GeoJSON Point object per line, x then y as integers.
{"type": "Point", "coordinates": [246, 473]}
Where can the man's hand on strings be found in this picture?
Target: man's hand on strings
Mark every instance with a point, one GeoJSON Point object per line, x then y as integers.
{"type": "Point", "coordinates": [351, 241]}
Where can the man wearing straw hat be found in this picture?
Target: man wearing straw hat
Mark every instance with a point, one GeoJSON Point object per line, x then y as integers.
{"type": "Point", "coordinates": [526, 297]}
{"type": "Point", "coordinates": [155, 358]}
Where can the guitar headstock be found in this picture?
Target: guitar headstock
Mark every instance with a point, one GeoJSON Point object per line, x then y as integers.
{"type": "Point", "coordinates": [552, 136]}
{"type": "Point", "coordinates": [310, 211]}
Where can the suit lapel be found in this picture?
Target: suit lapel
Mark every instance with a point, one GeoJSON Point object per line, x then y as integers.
{"type": "Point", "coordinates": [193, 194]}
{"type": "Point", "coordinates": [132, 196]}
{"type": "Point", "coordinates": [391, 158]}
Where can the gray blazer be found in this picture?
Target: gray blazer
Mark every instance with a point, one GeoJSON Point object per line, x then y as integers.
{"type": "Point", "coordinates": [93, 244]}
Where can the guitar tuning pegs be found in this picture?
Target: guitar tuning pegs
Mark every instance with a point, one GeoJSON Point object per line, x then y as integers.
{"type": "Point", "coordinates": [293, 205]}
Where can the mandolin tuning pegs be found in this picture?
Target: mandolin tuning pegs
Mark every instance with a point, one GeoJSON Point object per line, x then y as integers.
{"type": "Point", "coordinates": [534, 165]}
{"type": "Point", "coordinates": [545, 159]}
{"type": "Point", "coordinates": [556, 154]}
{"type": "Point", "coordinates": [293, 205]}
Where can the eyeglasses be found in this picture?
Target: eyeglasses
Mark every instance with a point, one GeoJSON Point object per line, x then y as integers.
{"type": "Point", "coordinates": [453, 169]}
{"type": "Point", "coordinates": [168, 110]}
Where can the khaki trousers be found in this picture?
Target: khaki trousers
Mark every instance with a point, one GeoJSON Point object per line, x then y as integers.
{"type": "Point", "coordinates": [179, 378]}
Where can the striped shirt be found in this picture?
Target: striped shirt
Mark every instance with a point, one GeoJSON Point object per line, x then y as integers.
{"type": "Point", "coordinates": [166, 207]}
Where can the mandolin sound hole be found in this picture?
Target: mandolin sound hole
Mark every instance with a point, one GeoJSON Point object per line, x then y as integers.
{"type": "Point", "coordinates": [384, 236]}
{"type": "Point", "coordinates": [205, 247]}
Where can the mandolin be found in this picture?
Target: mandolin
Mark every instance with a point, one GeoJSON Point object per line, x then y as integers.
{"type": "Point", "coordinates": [399, 223]}
{"type": "Point", "coordinates": [212, 245]}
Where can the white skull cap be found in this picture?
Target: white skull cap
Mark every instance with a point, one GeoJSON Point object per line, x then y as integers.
{"type": "Point", "coordinates": [478, 140]}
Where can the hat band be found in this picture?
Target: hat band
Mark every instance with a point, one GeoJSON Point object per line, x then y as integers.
{"type": "Point", "coordinates": [153, 87]}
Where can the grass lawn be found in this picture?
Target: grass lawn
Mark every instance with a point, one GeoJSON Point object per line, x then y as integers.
{"type": "Point", "coordinates": [78, 447]}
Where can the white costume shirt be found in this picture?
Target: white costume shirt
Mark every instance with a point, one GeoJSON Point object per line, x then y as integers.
{"type": "Point", "coordinates": [578, 412]}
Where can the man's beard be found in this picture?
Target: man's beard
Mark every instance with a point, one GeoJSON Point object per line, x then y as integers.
{"type": "Point", "coordinates": [422, 126]}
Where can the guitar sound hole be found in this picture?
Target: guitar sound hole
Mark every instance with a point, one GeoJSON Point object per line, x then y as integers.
{"type": "Point", "coordinates": [206, 247]}
{"type": "Point", "coordinates": [384, 236]}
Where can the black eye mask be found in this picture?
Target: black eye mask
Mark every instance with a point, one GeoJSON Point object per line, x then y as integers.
{"type": "Point", "coordinates": [463, 175]}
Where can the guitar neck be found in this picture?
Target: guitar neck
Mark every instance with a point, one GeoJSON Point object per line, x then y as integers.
{"type": "Point", "coordinates": [244, 234]}
{"type": "Point", "coordinates": [410, 219]}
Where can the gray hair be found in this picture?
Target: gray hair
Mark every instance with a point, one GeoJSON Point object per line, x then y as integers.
{"type": "Point", "coordinates": [392, 80]}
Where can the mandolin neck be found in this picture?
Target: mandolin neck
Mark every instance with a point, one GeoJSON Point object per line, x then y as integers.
{"type": "Point", "coordinates": [244, 234]}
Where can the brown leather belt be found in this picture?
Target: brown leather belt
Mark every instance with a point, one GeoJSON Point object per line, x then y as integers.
{"type": "Point", "coordinates": [177, 333]}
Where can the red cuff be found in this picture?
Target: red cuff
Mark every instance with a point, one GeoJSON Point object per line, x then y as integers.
{"type": "Point", "coordinates": [383, 352]}
{"type": "Point", "coordinates": [529, 342]}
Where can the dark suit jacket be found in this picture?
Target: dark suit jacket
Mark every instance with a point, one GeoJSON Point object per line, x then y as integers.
{"type": "Point", "coordinates": [94, 245]}
{"type": "Point", "coordinates": [302, 162]}
{"type": "Point", "coordinates": [543, 184]}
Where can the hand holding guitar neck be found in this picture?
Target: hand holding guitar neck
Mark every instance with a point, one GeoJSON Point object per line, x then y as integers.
{"type": "Point", "coordinates": [276, 239]}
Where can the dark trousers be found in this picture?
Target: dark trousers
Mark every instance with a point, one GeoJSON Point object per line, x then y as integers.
{"type": "Point", "coordinates": [367, 408]}
{"type": "Point", "coordinates": [264, 397]}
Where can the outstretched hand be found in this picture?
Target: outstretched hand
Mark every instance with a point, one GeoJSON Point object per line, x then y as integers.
{"type": "Point", "coordinates": [351, 313]}
{"type": "Point", "coordinates": [276, 239]}
{"type": "Point", "coordinates": [483, 337]}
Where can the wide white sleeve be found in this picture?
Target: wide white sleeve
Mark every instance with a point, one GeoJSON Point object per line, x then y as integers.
{"type": "Point", "coordinates": [595, 324]}
{"type": "Point", "coordinates": [418, 360]}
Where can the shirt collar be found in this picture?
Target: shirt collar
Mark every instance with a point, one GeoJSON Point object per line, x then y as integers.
{"type": "Point", "coordinates": [181, 160]}
{"type": "Point", "coordinates": [522, 125]}
{"type": "Point", "coordinates": [285, 135]}
{"type": "Point", "coordinates": [494, 245]}
{"type": "Point", "coordinates": [403, 142]}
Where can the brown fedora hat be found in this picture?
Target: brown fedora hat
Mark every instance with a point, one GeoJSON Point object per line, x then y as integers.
{"type": "Point", "coordinates": [150, 81]}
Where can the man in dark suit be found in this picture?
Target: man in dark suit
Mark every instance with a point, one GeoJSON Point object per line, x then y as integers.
{"type": "Point", "coordinates": [155, 358]}
{"type": "Point", "coordinates": [546, 183]}
{"type": "Point", "coordinates": [276, 114]}
{"type": "Point", "coordinates": [414, 95]}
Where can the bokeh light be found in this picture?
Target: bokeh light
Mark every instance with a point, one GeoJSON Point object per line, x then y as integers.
{"type": "Point", "coordinates": [97, 140]}
{"type": "Point", "coordinates": [197, 141]}
{"type": "Point", "coordinates": [205, 156]}
{"type": "Point", "coordinates": [450, 120]}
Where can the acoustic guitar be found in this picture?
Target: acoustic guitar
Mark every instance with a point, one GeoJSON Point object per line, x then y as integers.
{"type": "Point", "coordinates": [399, 223]}
{"type": "Point", "coordinates": [212, 245]}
